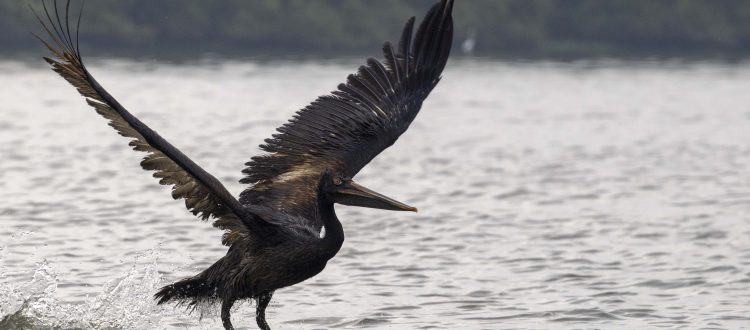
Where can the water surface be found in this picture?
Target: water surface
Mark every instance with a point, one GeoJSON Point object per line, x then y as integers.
{"type": "Point", "coordinates": [579, 195]}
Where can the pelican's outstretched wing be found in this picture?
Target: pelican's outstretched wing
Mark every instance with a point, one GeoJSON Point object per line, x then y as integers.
{"type": "Point", "coordinates": [344, 131]}
{"type": "Point", "coordinates": [204, 195]}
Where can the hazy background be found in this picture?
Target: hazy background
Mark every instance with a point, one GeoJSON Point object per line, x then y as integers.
{"type": "Point", "coordinates": [519, 28]}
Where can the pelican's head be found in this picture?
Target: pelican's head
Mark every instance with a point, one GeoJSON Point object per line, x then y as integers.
{"type": "Point", "coordinates": [343, 190]}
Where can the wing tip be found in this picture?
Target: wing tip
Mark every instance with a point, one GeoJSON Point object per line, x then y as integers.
{"type": "Point", "coordinates": [429, 48]}
{"type": "Point", "coordinates": [57, 25]}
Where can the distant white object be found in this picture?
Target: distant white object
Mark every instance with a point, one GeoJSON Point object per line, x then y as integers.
{"type": "Point", "coordinates": [468, 45]}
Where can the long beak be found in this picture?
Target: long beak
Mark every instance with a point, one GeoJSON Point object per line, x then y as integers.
{"type": "Point", "coordinates": [351, 193]}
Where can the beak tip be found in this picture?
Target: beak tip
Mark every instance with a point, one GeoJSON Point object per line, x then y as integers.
{"type": "Point", "coordinates": [413, 209]}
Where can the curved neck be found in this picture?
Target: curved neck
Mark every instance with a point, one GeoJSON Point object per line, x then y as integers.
{"type": "Point", "coordinates": [334, 237]}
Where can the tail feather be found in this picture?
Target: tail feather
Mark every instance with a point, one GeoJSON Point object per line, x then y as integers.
{"type": "Point", "coordinates": [191, 291]}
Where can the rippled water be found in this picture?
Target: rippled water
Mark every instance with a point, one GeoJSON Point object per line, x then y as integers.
{"type": "Point", "coordinates": [599, 194]}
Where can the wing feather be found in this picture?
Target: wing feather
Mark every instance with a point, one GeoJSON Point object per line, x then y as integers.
{"type": "Point", "coordinates": [403, 58]}
{"type": "Point", "coordinates": [345, 130]}
{"type": "Point", "coordinates": [204, 195]}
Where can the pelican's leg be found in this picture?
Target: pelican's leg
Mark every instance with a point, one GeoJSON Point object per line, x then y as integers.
{"type": "Point", "coordinates": [260, 312]}
{"type": "Point", "coordinates": [226, 305]}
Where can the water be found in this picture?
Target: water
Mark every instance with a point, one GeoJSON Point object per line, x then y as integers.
{"type": "Point", "coordinates": [602, 194]}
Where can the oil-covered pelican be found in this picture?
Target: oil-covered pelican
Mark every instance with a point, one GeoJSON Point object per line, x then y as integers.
{"type": "Point", "coordinates": [283, 229]}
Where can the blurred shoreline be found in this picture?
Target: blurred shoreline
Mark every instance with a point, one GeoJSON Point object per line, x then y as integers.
{"type": "Point", "coordinates": [533, 29]}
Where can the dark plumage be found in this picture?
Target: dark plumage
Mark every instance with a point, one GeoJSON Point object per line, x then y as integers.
{"type": "Point", "coordinates": [284, 229]}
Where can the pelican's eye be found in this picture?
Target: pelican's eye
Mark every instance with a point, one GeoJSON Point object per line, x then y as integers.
{"type": "Point", "coordinates": [337, 181]}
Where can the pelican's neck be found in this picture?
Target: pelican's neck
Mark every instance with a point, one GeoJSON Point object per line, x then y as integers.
{"type": "Point", "coordinates": [334, 232]}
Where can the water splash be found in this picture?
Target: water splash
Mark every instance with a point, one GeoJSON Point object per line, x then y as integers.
{"type": "Point", "coordinates": [123, 303]}
{"type": "Point", "coordinates": [128, 302]}
{"type": "Point", "coordinates": [36, 294]}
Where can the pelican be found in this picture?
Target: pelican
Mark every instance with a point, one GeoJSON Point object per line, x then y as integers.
{"type": "Point", "coordinates": [283, 228]}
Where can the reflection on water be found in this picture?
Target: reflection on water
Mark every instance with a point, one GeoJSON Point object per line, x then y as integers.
{"type": "Point", "coordinates": [552, 195]}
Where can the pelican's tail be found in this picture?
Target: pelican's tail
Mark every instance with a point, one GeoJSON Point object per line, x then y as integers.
{"type": "Point", "coordinates": [190, 290]}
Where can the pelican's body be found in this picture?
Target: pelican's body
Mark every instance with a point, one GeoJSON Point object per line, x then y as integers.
{"type": "Point", "coordinates": [283, 229]}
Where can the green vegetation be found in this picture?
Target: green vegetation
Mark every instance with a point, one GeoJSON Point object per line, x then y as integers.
{"type": "Point", "coordinates": [329, 27]}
